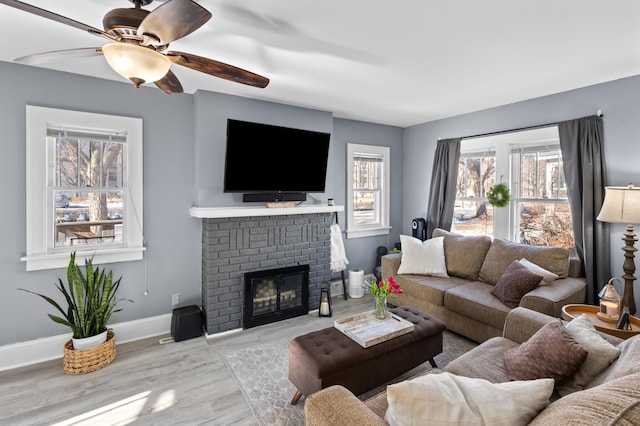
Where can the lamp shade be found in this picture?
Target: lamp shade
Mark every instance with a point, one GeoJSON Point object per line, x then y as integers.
{"type": "Point", "coordinates": [136, 63]}
{"type": "Point", "coordinates": [621, 205]}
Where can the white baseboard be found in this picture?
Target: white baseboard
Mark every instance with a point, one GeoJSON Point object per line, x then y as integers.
{"type": "Point", "coordinates": [48, 348]}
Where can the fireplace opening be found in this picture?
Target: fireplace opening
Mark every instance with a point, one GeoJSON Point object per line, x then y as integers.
{"type": "Point", "coordinates": [275, 294]}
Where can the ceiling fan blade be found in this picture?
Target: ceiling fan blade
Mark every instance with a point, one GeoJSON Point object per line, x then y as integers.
{"type": "Point", "coordinates": [59, 55]}
{"type": "Point", "coordinates": [55, 17]}
{"type": "Point", "coordinates": [218, 69]}
{"type": "Point", "coordinates": [169, 84]}
{"type": "Point", "coordinates": [173, 20]}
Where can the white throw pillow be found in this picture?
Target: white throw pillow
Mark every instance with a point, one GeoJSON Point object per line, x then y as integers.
{"type": "Point", "coordinates": [601, 354]}
{"type": "Point", "coordinates": [547, 276]}
{"type": "Point", "coordinates": [447, 399]}
{"type": "Point", "coordinates": [423, 257]}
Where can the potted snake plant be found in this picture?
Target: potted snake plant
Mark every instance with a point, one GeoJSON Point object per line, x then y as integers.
{"type": "Point", "coordinates": [90, 298]}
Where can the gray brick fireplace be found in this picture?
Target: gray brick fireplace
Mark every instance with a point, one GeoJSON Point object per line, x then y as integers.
{"type": "Point", "coordinates": [233, 246]}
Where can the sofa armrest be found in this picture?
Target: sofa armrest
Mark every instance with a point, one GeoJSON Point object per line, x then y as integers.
{"type": "Point", "coordinates": [390, 264]}
{"type": "Point", "coordinates": [335, 405]}
{"type": "Point", "coordinates": [522, 323]}
{"type": "Point", "coordinates": [549, 299]}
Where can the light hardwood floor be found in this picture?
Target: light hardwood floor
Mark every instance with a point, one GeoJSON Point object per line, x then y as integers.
{"type": "Point", "coordinates": [178, 383]}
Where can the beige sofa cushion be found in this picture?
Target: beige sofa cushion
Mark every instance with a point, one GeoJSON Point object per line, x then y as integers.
{"type": "Point", "coordinates": [447, 399]}
{"type": "Point", "coordinates": [628, 362]}
{"type": "Point", "coordinates": [423, 287]}
{"type": "Point", "coordinates": [502, 253]}
{"type": "Point", "coordinates": [484, 361]}
{"type": "Point", "coordinates": [600, 354]}
{"type": "Point", "coordinates": [613, 403]}
{"type": "Point", "coordinates": [464, 254]}
{"type": "Point", "coordinates": [475, 301]}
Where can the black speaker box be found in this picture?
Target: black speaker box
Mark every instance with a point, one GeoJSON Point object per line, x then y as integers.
{"type": "Point", "coordinates": [274, 196]}
{"type": "Point", "coordinates": [419, 228]}
{"type": "Point", "coordinates": [186, 323]}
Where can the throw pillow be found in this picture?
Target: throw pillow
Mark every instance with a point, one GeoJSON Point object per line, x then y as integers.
{"type": "Point", "coordinates": [464, 254]}
{"type": "Point", "coordinates": [547, 276]}
{"type": "Point", "coordinates": [600, 354]}
{"type": "Point", "coordinates": [516, 281]}
{"type": "Point", "coordinates": [503, 252]}
{"type": "Point", "coordinates": [448, 399]}
{"type": "Point", "coordinates": [422, 257]}
{"type": "Point", "coordinates": [613, 403]}
{"type": "Point", "coordinates": [552, 353]}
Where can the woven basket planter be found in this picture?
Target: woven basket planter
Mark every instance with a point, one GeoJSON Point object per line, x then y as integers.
{"type": "Point", "coordinates": [88, 360]}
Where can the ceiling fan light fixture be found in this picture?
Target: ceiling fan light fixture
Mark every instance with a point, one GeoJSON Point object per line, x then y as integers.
{"type": "Point", "coordinates": [138, 64]}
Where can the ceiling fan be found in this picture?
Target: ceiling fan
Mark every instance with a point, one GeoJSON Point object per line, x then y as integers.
{"type": "Point", "coordinates": [139, 40]}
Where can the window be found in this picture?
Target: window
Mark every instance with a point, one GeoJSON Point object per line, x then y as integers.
{"type": "Point", "coordinates": [84, 187]}
{"type": "Point", "coordinates": [476, 174]}
{"type": "Point", "coordinates": [530, 163]}
{"type": "Point", "coordinates": [368, 181]}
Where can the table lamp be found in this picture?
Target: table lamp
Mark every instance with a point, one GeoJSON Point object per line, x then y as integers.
{"type": "Point", "coordinates": [622, 205]}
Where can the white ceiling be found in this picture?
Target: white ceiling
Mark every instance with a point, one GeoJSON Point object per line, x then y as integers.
{"type": "Point", "coordinates": [391, 62]}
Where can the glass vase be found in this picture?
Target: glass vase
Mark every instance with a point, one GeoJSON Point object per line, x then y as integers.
{"type": "Point", "coordinates": [381, 308]}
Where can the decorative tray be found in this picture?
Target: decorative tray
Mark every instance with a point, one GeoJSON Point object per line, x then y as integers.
{"type": "Point", "coordinates": [366, 330]}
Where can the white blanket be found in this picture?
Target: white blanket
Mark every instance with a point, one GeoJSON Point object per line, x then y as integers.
{"type": "Point", "coordinates": [339, 260]}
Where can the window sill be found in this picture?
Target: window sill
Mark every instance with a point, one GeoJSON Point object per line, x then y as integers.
{"type": "Point", "coordinates": [61, 260]}
{"type": "Point", "coordinates": [368, 232]}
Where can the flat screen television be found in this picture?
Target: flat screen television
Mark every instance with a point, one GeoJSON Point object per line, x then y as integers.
{"type": "Point", "coordinates": [274, 163]}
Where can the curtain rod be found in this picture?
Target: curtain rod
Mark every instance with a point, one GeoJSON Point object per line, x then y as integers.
{"type": "Point", "coordinates": [519, 129]}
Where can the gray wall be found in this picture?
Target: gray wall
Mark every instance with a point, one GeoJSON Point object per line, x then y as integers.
{"type": "Point", "coordinates": [619, 101]}
{"type": "Point", "coordinates": [172, 261]}
{"type": "Point", "coordinates": [363, 255]}
{"type": "Point", "coordinates": [183, 157]}
{"type": "Point", "coordinates": [183, 165]}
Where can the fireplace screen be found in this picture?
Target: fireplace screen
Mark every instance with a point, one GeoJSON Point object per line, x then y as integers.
{"type": "Point", "coordinates": [276, 294]}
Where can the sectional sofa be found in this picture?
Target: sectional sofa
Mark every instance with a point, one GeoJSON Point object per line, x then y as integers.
{"type": "Point", "coordinates": [462, 297]}
{"type": "Point", "coordinates": [604, 390]}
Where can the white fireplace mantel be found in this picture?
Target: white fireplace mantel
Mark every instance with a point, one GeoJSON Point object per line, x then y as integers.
{"type": "Point", "coordinates": [245, 211]}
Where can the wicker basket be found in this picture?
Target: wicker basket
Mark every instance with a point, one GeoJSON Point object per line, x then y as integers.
{"type": "Point", "coordinates": [88, 360]}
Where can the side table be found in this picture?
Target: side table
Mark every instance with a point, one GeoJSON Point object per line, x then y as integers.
{"type": "Point", "coordinates": [569, 312]}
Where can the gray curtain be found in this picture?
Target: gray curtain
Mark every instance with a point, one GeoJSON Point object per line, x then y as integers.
{"type": "Point", "coordinates": [443, 185]}
{"type": "Point", "coordinates": [581, 143]}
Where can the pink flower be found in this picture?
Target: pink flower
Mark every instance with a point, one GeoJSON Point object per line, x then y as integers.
{"type": "Point", "coordinates": [388, 287]}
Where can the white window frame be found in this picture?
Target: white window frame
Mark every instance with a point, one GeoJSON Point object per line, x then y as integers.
{"type": "Point", "coordinates": [382, 227]}
{"type": "Point", "coordinates": [505, 219]}
{"type": "Point", "coordinates": [40, 212]}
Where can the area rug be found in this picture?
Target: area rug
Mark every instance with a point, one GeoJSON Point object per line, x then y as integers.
{"type": "Point", "coordinates": [261, 374]}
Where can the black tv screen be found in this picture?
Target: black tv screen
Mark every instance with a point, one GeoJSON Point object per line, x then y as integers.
{"type": "Point", "coordinates": [267, 158]}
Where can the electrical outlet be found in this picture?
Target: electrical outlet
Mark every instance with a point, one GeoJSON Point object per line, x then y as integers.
{"type": "Point", "coordinates": [175, 299]}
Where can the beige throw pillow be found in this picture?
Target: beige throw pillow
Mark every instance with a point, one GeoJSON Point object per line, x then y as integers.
{"type": "Point", "coordinates": [547, 276]}
{"type": "Point", "coordinates": [448, 399]}
{"type": "Point", "coordinates": [550, 353]}
{"type": "Point", "coordinates": [600, 354]}
{"type": "Point", "coordinates": [422, 257]}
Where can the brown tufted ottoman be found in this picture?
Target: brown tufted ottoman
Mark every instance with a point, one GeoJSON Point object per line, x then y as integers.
{"type": "Point", "coordinates": [328, 357]}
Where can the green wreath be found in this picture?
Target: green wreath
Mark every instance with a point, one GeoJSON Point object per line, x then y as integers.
{"type": "Point", "coordinates": [499, 195]}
